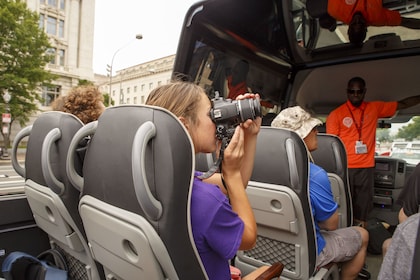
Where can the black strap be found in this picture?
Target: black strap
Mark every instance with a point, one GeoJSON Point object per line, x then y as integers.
{"type": "Point", "coordinates": [56, 256]}
{"type": "Point", "coordinates": [415, 271]}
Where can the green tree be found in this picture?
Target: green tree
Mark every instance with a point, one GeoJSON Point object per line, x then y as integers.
{"type": "Point", "coordinates": [106, 100]}
{"type": "Point", "coordinates": [23, 56]}
{"type": "Point", "coordinates": [84, 82]}
{"type": "Point", "coordinates": [383, 135]}
{"type": "Point", "coordinates": [410, 131]}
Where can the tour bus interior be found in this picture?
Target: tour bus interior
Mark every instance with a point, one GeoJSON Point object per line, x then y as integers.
{"type": "Point", "coordinates": [291, 61]}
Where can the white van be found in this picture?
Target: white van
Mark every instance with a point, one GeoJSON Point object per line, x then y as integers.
{"type": "Point", "coordinates": [409, 151]}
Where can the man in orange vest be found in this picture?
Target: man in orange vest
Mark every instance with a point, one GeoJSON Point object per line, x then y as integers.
{"type": "Point", "coordinates": [358, 15]}
{"type": "Point", "coordinates": [355, 123]}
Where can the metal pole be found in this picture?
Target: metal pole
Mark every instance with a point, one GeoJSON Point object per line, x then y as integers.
{"type": "Point", "coordinates": [6, 98]}
{"type": "Point", "coordinates": [138, 37]}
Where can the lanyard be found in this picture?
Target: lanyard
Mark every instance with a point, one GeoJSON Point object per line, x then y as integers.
{"type": "Point", "coordinates": [358, 127]}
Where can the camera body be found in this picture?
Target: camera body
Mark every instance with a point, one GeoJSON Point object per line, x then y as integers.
{"type": "Point", "coordinates": [227, 114]}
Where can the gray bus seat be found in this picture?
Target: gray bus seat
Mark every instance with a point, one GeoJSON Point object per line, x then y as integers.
{"type": "Point", "coordinates": [331, 155]}
{"type": "Point", "coordinates": [52, 198]}
{"type": "Point", "coordinates": [279, 195]}
{"type": "Point", "coordinates": [136, 187]}
{"type": "Point", "coordinates": [204, 161]}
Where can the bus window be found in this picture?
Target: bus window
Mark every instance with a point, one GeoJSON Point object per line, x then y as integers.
{"type": "Point", "coordinates": [230, 75]}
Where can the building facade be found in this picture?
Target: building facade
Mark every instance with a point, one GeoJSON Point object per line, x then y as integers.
{"type": "Point", "coordinates": [132, 85]}
{"type": "Point", "coordinates": [69, 25]}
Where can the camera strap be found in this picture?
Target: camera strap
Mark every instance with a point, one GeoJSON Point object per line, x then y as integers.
{"type": "Point", "coordinates": [218, 163]}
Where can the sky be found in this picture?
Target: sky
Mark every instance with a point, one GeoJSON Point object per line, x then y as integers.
{"type": "Point", "coordinates": [118, 22]}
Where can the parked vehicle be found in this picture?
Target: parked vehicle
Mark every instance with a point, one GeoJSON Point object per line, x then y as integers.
{"type": "Point", "coordinates": [408, 151]}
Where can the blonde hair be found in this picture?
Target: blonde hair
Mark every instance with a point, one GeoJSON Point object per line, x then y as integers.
{"type": "Point", "coordinates": [181, 98]}
{"type": "Point", "coordinates": [85, 102]}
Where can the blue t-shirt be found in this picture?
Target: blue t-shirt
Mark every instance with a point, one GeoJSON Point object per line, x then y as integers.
{"type": "Point", "coordinates": [216, 228]}
{"type": "Point", "coordinates": [322, 200]}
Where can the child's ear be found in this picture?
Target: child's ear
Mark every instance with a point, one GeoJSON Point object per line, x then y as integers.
{"type": "Point", "coordinates": [184, 122]}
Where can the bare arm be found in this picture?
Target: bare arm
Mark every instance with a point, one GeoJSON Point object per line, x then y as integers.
{"type": "Point", "coordinates": [402, 216]}
{"type": "Point", "coordinates": [331, 223]}
{"type": "Point", "coordinates": [408, 102]}
{"type": "Point", "coordinates": [251, 129]}
{"type": "Point", "coordinates": [234, 154]}
{"type": "Point", "coordinates": [413, 23]}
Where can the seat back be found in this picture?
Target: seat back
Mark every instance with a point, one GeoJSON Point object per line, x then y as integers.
{"type": "Point", "coordinates": [136, 188]}
{"type": "Point", "coordinates": [279, 195]}
{"type": "Point", "coordinates": [52, 198]}
{"type": "Point", "coordinates": [204, 161]}
{"type": "Point", "coordinates": [332, 157]}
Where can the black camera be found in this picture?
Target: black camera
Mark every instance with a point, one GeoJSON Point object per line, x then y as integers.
{"type": "Point", "coordinates": [227, 114]}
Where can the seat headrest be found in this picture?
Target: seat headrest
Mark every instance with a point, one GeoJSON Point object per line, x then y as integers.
{"type": "Point", "coordinates": [281, 158]}
{"type": "Point", "coordinates": [331, 154]}
{"type": "Point", "coordinates": [67, 125]}
{"type": "Point", "coordinates": [141, 159]}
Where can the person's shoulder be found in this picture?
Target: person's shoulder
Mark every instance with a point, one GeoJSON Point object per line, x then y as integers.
{"type": "Point", "coordinates": [205, 191]}
{"type": "Point", "coordinates": [338, 108]}
{"type": "Point", "coordinates": [317, 170]}
{"type": "Point", "coordinates": [410, 224]}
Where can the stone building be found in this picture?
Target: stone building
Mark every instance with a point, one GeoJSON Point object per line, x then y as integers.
{"type": "Point", "coordinates": [132, 85]}
{"type": "Point", "coordinates": [70, 27]}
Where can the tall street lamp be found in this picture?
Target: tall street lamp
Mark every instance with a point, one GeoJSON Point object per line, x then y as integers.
{"type": "Point", "coordinates": [109, 67]}
{"type": "Point", "coordinates": [6, 119]}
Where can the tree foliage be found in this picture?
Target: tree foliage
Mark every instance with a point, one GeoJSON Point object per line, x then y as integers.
{"type": "Point", "coordinates": [383, 135]}
{"type": "Point", "coordinates": [410, 131]}
{"type": "Point", "coordinates": [23, 56]}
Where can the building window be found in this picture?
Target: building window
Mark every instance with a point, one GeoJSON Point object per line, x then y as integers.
{"type": "Point", "coordinates": [135, 99]}
{"type": "Point", "coordinates": [142, 99]}
{"type": "Point", "coordinates": [49, 94]}
{"type": "Point", "coordinates": [135, 89]}
{"type": "Point", "coordinates": [61, 57]}
{"type": "Point", "coordinates": [142, 87]}
{"type": "Point", "coordinates": [52, 53]}
{"type": "Point", "coordinates": [159, 83]}
{"type": "Point", "coordinates": [128, 90]}
{"type": "Point", "coordinates": [150, 85]}
{"type": "Point", "coordinates": [128, 101]}
{"type": "Point", "coordinates": [62, 4]}
{"type": "Point", "coordinates": [52, 3]}
{"type": "Point", "coordinates": [61, 28]}
{"type": "Point", "coordinates": [41, 21]}
{"type": "Point", "coordinates": [52, 25]}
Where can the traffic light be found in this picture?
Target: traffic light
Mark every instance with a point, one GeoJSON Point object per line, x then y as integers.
{"type": "Point", "coordinates": [109, 69]}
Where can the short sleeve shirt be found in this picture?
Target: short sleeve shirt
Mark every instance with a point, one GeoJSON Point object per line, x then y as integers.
{"type": "Point", "coordinates": [353, 124]}
{"type": "Point", "coordinates": [372, 11]}
{"type": "Point", "coordinates": [409, 197]}
{"type": "Point", "coordinates": [216, 228]}
{"type": "Point", "coordinates": [322, 200]}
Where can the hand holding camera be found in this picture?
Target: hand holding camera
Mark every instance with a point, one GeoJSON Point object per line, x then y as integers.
{"type": "Point", "coordinates": [227, 114]}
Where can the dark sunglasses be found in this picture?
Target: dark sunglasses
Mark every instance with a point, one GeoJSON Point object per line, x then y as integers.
{"type": "Point", "coordinates": [355, 91]}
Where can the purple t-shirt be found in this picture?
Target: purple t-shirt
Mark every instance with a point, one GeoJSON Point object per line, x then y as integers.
{"type": "Point", "coordinates": [217, 229]}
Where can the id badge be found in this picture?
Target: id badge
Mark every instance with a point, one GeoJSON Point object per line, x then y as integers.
{"type": "Point", "coordinates": [361, 148]}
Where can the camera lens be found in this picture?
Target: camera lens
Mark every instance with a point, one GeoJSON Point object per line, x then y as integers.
{"type": "Point", "coordinates": [249, 109]}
